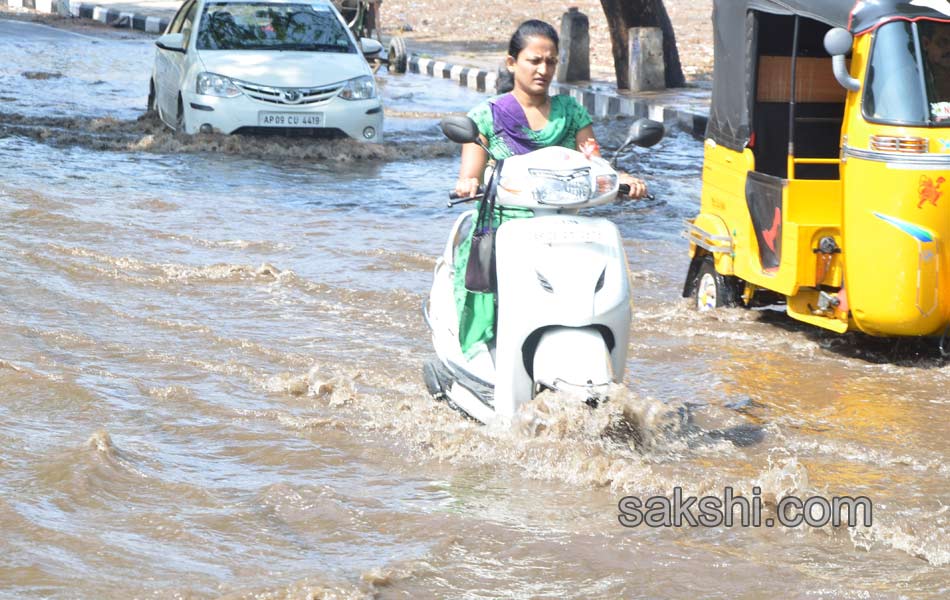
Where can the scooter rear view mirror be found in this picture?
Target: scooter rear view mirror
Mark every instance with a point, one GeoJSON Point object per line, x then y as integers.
{"type": "Point", "coordinates": [643, 133]}
{"type": "Point", "coordinates": [459, 129]}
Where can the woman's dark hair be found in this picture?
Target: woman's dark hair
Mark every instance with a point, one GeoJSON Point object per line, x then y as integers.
{"type": "Point", "coordinates": [532, 28]}
{"type": "Point", "coordinates": [528, 29]}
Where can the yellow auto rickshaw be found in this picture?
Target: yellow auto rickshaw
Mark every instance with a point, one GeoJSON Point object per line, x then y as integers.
{"type": "Point", "coordinates": [834, 199]}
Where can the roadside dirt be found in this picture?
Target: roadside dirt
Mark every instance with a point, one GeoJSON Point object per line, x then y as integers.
{"type": "Point", "coordinates": [485, 26]}
{"type": "Point", "coordinates": [84, 26]}
{"type": "Point", "coordinates": [482, 28]}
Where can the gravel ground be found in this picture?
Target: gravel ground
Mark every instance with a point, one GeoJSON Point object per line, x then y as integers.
{"type": "Point", "coordinates": [488, 24]}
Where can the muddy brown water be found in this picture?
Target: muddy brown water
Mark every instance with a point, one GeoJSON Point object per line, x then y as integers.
{"type": "Point", "coordinates": [210, 355]}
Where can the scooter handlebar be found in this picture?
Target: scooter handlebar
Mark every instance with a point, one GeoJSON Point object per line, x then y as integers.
{"type": "Point", "coordinates": [456, 199]}
{"type": "Point", "coordinates": [624, 191]}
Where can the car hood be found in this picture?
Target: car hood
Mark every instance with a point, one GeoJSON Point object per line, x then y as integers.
{"type": "Point", "coordinates": [285, 68]}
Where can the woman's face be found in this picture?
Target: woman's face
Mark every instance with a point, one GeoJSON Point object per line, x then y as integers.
{"type": "Point", "coordinates": [534, 67]}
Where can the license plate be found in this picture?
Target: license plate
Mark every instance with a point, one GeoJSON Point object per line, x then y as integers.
{"type": "Point", "coordinates": [278, 119]}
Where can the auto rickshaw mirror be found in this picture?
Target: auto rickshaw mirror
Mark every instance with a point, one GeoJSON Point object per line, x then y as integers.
{"type": "Point", "coordinates": [838, 41]}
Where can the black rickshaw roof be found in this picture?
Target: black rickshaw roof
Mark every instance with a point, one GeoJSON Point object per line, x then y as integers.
{"type": "Point", "coordinates": [733, 46]}
{"type": "Point", "coordinates": [870, 14]}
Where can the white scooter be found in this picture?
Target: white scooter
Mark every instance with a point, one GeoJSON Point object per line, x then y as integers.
{"type": "Point", "coordinates": [563, 287]}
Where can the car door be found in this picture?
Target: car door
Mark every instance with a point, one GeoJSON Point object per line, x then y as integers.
{"type": "Point", "coordinates": [170, 64]}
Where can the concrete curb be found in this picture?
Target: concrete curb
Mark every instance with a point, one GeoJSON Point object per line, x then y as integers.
{"type": "Point", "coordinates": [600, 103]}
{"type": "Point", "coordinates": [102, 14]}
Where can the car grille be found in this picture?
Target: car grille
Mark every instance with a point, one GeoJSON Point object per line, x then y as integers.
{"type": "Point", "coordinates": [289, 96]}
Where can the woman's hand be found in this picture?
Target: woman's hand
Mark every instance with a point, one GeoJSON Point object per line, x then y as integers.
{"type": "Point", "coordinates": [589, 148]}
{"type": "Point", "coordinates": [638, 187]}
{"type": "Point", "coordinates": [467, 187]}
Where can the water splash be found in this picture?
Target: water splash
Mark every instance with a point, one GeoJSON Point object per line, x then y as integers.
{"type": "Point", "coordinates": [148, 134]}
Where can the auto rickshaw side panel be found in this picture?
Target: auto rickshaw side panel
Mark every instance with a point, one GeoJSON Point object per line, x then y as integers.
{"type": "Point", "coordinates": [724, 221]}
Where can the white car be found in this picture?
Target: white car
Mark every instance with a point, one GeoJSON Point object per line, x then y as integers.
{"type": "Point", "coordinates": [249, 66]}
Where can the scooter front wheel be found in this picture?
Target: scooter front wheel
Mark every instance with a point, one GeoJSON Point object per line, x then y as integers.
{"type": "Point", "coordinates": [434, 385]}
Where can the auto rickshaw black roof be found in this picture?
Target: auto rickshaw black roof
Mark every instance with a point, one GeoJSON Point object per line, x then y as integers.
{"type": "Point", "coordinates": [735, 36]}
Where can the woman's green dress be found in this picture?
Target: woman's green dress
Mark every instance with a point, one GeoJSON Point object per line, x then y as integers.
{"type": "Point", "coordinates": [477, 310]}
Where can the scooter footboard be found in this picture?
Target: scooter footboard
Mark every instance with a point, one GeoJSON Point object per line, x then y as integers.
{"type": "Point", "coordinates": [577, 356]}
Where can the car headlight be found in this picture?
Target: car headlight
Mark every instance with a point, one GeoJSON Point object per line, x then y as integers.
{"type": "Point", "coordinates": [359, 88]}
{"type": "Point", "coordinates": [561, 188]}
{"type": "Point", "coordinates": [212, 84]}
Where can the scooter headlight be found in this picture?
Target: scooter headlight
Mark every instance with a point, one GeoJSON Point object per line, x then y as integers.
{"type": "Point", "coordinates": [605, 183]}
{"type": "Point", "coordinates": [561, 188]}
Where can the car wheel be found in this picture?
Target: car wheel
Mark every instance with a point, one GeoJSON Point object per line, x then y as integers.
{"type": "Point", "coordinates": [398, 55]}
{"type": "Point", "coordinates": [152, 103]}
{"type": "Point", "coordinates": [180, 117]}
{"type": "Point", "coordinates": [713, 290]}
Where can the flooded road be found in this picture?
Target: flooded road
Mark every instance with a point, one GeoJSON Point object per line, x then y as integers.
{"type": "Point", "coordinates": [210, 356]}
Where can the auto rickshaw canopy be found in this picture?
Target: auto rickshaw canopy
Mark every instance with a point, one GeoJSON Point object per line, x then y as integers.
{"type": "Point", "coordinates": [735, 48]}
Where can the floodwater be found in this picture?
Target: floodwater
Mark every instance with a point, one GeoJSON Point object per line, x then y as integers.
{"type": "Point", "coordinates": [210, 354]}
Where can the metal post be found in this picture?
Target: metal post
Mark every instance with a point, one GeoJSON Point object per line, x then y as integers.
{"type": "Point", "coordinates": [791, 105]}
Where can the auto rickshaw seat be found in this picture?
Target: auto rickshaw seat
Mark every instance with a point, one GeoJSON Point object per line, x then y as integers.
{"type": "Point", "coordinates": [819, 112]}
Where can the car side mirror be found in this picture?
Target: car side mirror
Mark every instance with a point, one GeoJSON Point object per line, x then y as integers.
{"type": "Point", "coordinates": [370, 47]}
{"type": "Point", "coordinates": [171, 41]}
{"type": "Point", "coordinates": [459, 129]}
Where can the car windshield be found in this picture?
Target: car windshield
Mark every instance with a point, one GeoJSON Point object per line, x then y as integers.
{"type": "Point", "coordinates": [264, 26]}
{"type": "Point", "coordinates": [908, 79]}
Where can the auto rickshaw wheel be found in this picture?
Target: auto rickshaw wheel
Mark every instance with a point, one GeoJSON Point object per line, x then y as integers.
{"type": "Point", "coordinates": [712, 289]}
{"type": "Point", "coordinates": [398, 55]}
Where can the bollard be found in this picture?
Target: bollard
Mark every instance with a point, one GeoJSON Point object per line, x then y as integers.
{"type": "Point", "coordinates": [647, 70]}
{"type": "Point", "coordinates": [575, 47]}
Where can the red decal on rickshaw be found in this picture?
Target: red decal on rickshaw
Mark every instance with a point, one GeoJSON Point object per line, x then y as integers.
{"type": "Point", "coordinates": [771, 233]}
{"type": "Point", "coordinates": [929, 190]}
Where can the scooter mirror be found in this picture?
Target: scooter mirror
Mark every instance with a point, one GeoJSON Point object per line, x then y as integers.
{"type": "Point", "coordinates": [460, 130]}
{"type": "Point", "coordinates": [644, 133]}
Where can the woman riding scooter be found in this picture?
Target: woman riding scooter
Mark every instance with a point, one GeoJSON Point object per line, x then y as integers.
{"type": "Point", "coordinates": [524, 119]}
